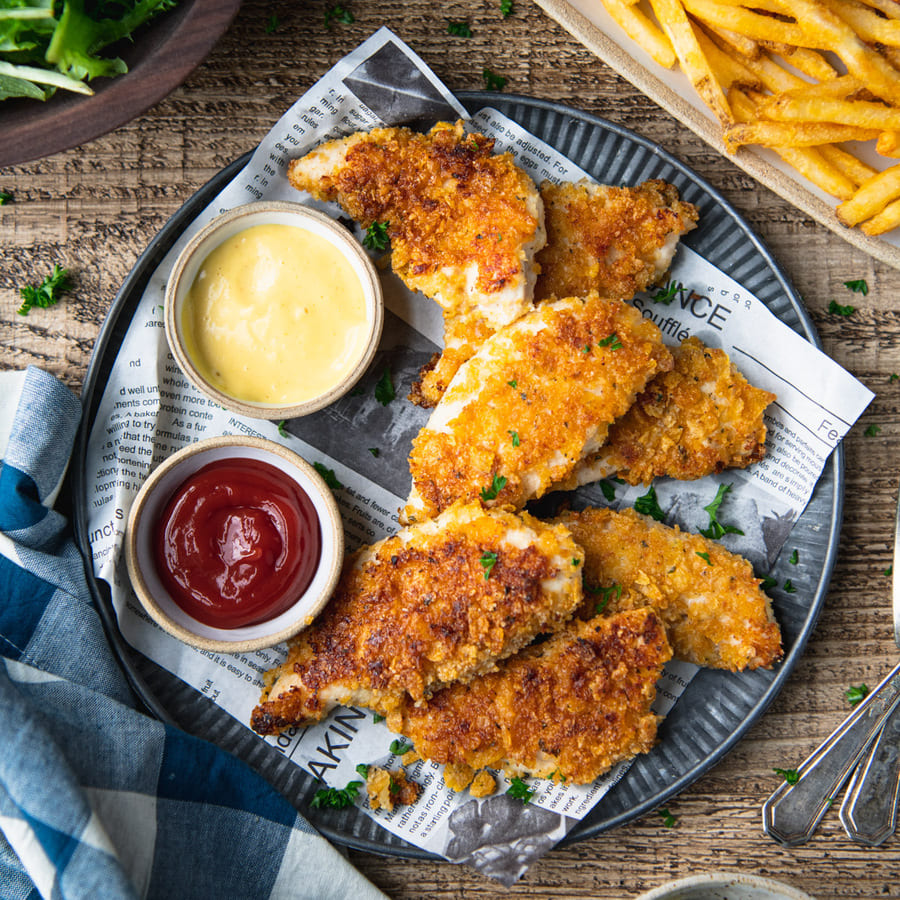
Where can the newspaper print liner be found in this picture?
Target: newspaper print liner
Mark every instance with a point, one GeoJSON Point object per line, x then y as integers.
{"type": "Point", "coordinates": [717, 707]}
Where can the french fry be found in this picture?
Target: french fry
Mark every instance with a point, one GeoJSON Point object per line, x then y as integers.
{"type": "Point", "coordinates": [886, 220]}
{"type": "Point", "coordinates": [792, 134]}
{"type": "Point", "coordinates": [888, 143]}
{"type": "Point", "coordinates": [630, 18]}
{"type": "Point", "coordinates": [739, 18]}
{"type": "Point", "coordinates": [889, 7]}
{"type": "Point", "coordinates": [726, 67]}
{"type": "Point", "coordinates": [866, 23]}
{"type": "Point", "coordinates": [858, 113]}
{"type": "Point", "coordinates": [810, 62]}
{"type": "Point", "coordinates": [837, 88]}
{"type": "Point", "coordinates": [871, 198]}
{"type": "Point", "coordinates": [675, 23]}
{"type": "Point", "coordinates": [740, 43]}
{"type": "Point", "coordinates": [847, 164]}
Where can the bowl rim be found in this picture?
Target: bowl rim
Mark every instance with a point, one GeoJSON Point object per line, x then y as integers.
{"type": "Point", "coordinates": [146, 584]}
{"type": "Point", "coordinates": [231, 222]}
{"type": "Point", "coordinates": [778, 889]}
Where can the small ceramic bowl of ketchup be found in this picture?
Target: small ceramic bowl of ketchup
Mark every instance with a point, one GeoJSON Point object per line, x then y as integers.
{"type": "Point", "coordinates": [273, 310]}
{"type": "Point", "coordinates": [234, 543]}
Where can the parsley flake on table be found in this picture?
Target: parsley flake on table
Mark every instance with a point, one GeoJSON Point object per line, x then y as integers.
{"type": "Point", "coordinates": [856, 692]}
{"type": "Point", "coordinates": [837, 309]}
{"type": "Point", "coordinates": [716, 529]}
{"type": "Point", "coordinates": [399, 747]}
{"type": "Point", "coordinates": [889, 570]}
{"type": "Point", "coordinates": [648, 505]}
{"type": "Point", "coordinates": [377, 237]}
{"type": "Point", "coordinates": [794, 558]}
{"type": "Point", "coordinates": [668, 292]}
{"type": "Point", "coordinates": [384, 390]}
{"type": "Point", "coordinates": [338, 798]}
{"type": "Point", "coordinates": [328, 474]}
{"type": "Point", "coordinates": [789, 587]}
{"type": "Point", "coordinates": [859, 286]}
{"type": "Point", "coordinates": [375, 452]}
{"type": "Point", "coordinates": [894, 377]}
{"type": "Point", "coordinates": [281, 429]}
{"type": "Point", "coordinates": [668, 819]}
{"type": "Point", "coordinates": [506, 8]}
{"type": "Point", "coordinates": [872, 430]}
{"type": "Point", "coordinates": [5, 197]}
{"type": "Point", "coordinates": [272, 24]}
{"type": "Point", "coordinates": [791, 776]}
{"type": "Point", "coordinates": [498, 482]}
{"type": "Point", "coordinates": [459, 29]}
{"type": "Point", "coordinates": [493, 81]}
{"type": "Point", "coordinates": [488, 561]}
{"type": "Point", "coordinates": [47, 293]}
{"type": "Point", "coordinates": [519, 790]}
{"type": "Point", "coordinates": [338, 14]}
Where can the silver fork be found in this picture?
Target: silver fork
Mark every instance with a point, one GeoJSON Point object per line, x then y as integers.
{"type": "Point", "coordinates": [866, 746]}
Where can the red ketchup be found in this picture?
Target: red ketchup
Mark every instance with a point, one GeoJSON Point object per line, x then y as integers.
{"type": "Point", "coordinates": [238, 543]}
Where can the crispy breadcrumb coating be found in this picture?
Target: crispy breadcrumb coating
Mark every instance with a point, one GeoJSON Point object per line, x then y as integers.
{"type": "Point", "coordinates": [464, 225]}
{"type": "Point", "coordinates": [714, 611]}
{"type": "Point", "coordinates": [387, 788]}
{"type": "Point", "coordinates": [699, 419]}
{"type": "Point", "coordinates": [568, 708]}
{"type": "Point", "coordinates": [539, 396]}
{"type": "Point", "coordinates": [613, 240]}
{"type": "Point", "coordinates": [437, 602]}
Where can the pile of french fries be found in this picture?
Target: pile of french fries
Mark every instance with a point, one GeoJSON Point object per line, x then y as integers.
{"type": "Point", "coordinates": [806, 78]}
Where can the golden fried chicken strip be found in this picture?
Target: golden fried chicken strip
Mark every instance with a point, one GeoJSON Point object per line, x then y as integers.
{"type": "Point", "coordinates": [538, 397]}
{"type": "Point", "coordinates": [464, 224]}
{"type": "Point", "coordinates": [714, 612]}
{"type": "Point", "coordinates": [569, 708]}
{"type": "Point", "coordinates": [699, 419]}
{"type": "Point", "coordinates": [434, 603]}
{"type": "Point", "coordinates": [613, 240]}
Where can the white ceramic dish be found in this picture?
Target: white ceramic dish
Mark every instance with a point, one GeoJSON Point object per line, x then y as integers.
{"type": "Point", "coordinates": [725, 886]}
{"type": "Point", "coordinates": [156, 492]}
{"type": "Point", "coordinates": [232, 223]}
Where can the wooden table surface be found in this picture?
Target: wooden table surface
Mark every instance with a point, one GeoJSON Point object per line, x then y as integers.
{"type": "Point", "coordinates": [94, 208]}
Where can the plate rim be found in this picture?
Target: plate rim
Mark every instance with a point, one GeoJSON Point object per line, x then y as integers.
{"type": "Point", "coordinates": [92, 389]}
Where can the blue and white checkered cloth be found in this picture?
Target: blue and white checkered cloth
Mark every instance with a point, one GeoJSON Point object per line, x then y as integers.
{"type": "Point", "coordinates": [97, 800]}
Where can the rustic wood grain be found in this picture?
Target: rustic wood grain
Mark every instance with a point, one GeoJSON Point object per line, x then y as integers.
{"type": "Point", "coordinates": [94, 209]}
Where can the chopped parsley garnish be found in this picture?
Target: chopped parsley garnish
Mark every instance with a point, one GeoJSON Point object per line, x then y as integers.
{"type": "Point", "coordinates": [649, 506]}
{"type": "Point", "coordinates": [488, 561]}
{"type": "Point", "coordinates": [605, 593]}
{"type": "Point", "coordinates": [459, 29]}
{"type": "Point", "coordinates": [705, 556]}
{"type": "Point", "coordinates": [612, 341]}
{"type": "Point", "coordinates": [889, 570]}
{"type": "Point", "coordinates": [668, 292]}
{"type": "Point", "coordinates": [716, 529]}
{"type": "Point", "coordinates": [339, 798]}
{"type": "Point", "coordinates": [47, 293]}
{"type": "Point", "coordinates": [789, 587]}
{"type": "Point", "coordinates": [281, 429]}
{"type": "Point", "coordinates": [375, 452]}
{"type": "Point", "coordinates": [767, 582]}
{"type": "Point", "coordinates": [363, 770]}
{"type": "Point", "coordinates": [609, 491]}
{"type": "Point", "coordinates": [794, 558]}
{"type": "Point", "coordinates": [328, 474]}
{"type": "Point", "coordinates": [384, 390]}
{"type": "Point", "coordinates": [513, 383]}
{"type": "Point", "coordinates": [576, 561]}
{"type": "Point", "coordinates": [519, 790]}
{"type": "Point", "coordinates": [493, 81]}
{"type": "Point", "coordinates": [856, 692]}
{"type": "Point", "coordinates": [377, 237]}
{"type": "Point", "coordinates": [791, 776]}
{"type": "Point", "coordinates": [272, 23]}
{"type": "Point", "coordinates": [506, 7]}
{"type": "Point", "coordinates": [338, 14]}
{"type": "Point", "coordinates": [859, 286]}
{"type": "Point", "coordinates": [399, 747]}
{"type": "Point", "coordinates": [377, 717]}
{"type": "Point", "coordinates": [5, 197]}
{"type": "Point", "coordinates": [498, 482]}
{"type": "Point", "coordinates": [668, 819]}
{"type": "Point", "coordinates": [872, 430]}
{"type": "Point", "coordinates": [837, 309]}
{"type": "Point", "coordinates": [586, 349]}
{"type": "Point", "coordinates": [515, 437]}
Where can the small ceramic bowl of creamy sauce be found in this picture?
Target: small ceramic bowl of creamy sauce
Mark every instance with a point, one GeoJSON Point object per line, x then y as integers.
{"type": "Point", "coordinates": [273, 310]}
{"type": "Point", "coordinates": [234, 543]}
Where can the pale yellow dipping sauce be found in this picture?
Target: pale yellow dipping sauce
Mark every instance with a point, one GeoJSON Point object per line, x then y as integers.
{"type": "Point", "coordinates": [275, 315]}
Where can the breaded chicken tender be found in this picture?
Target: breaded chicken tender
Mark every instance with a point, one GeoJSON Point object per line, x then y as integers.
{"type": "Point", "coordinates": [435, 603]}
{"type": "Point", "coordinates": [697, 420]}
{"type": "Point", "coordinates": [537, 398]}
{"type": "Point", "coordinates": [613, 240]}
{"type": "Point", "coordinates": [464, 225]}
{"type": "Point", "coordinates": [569, 708]}
{"type": "Point", "coordinates": [714, 611]}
